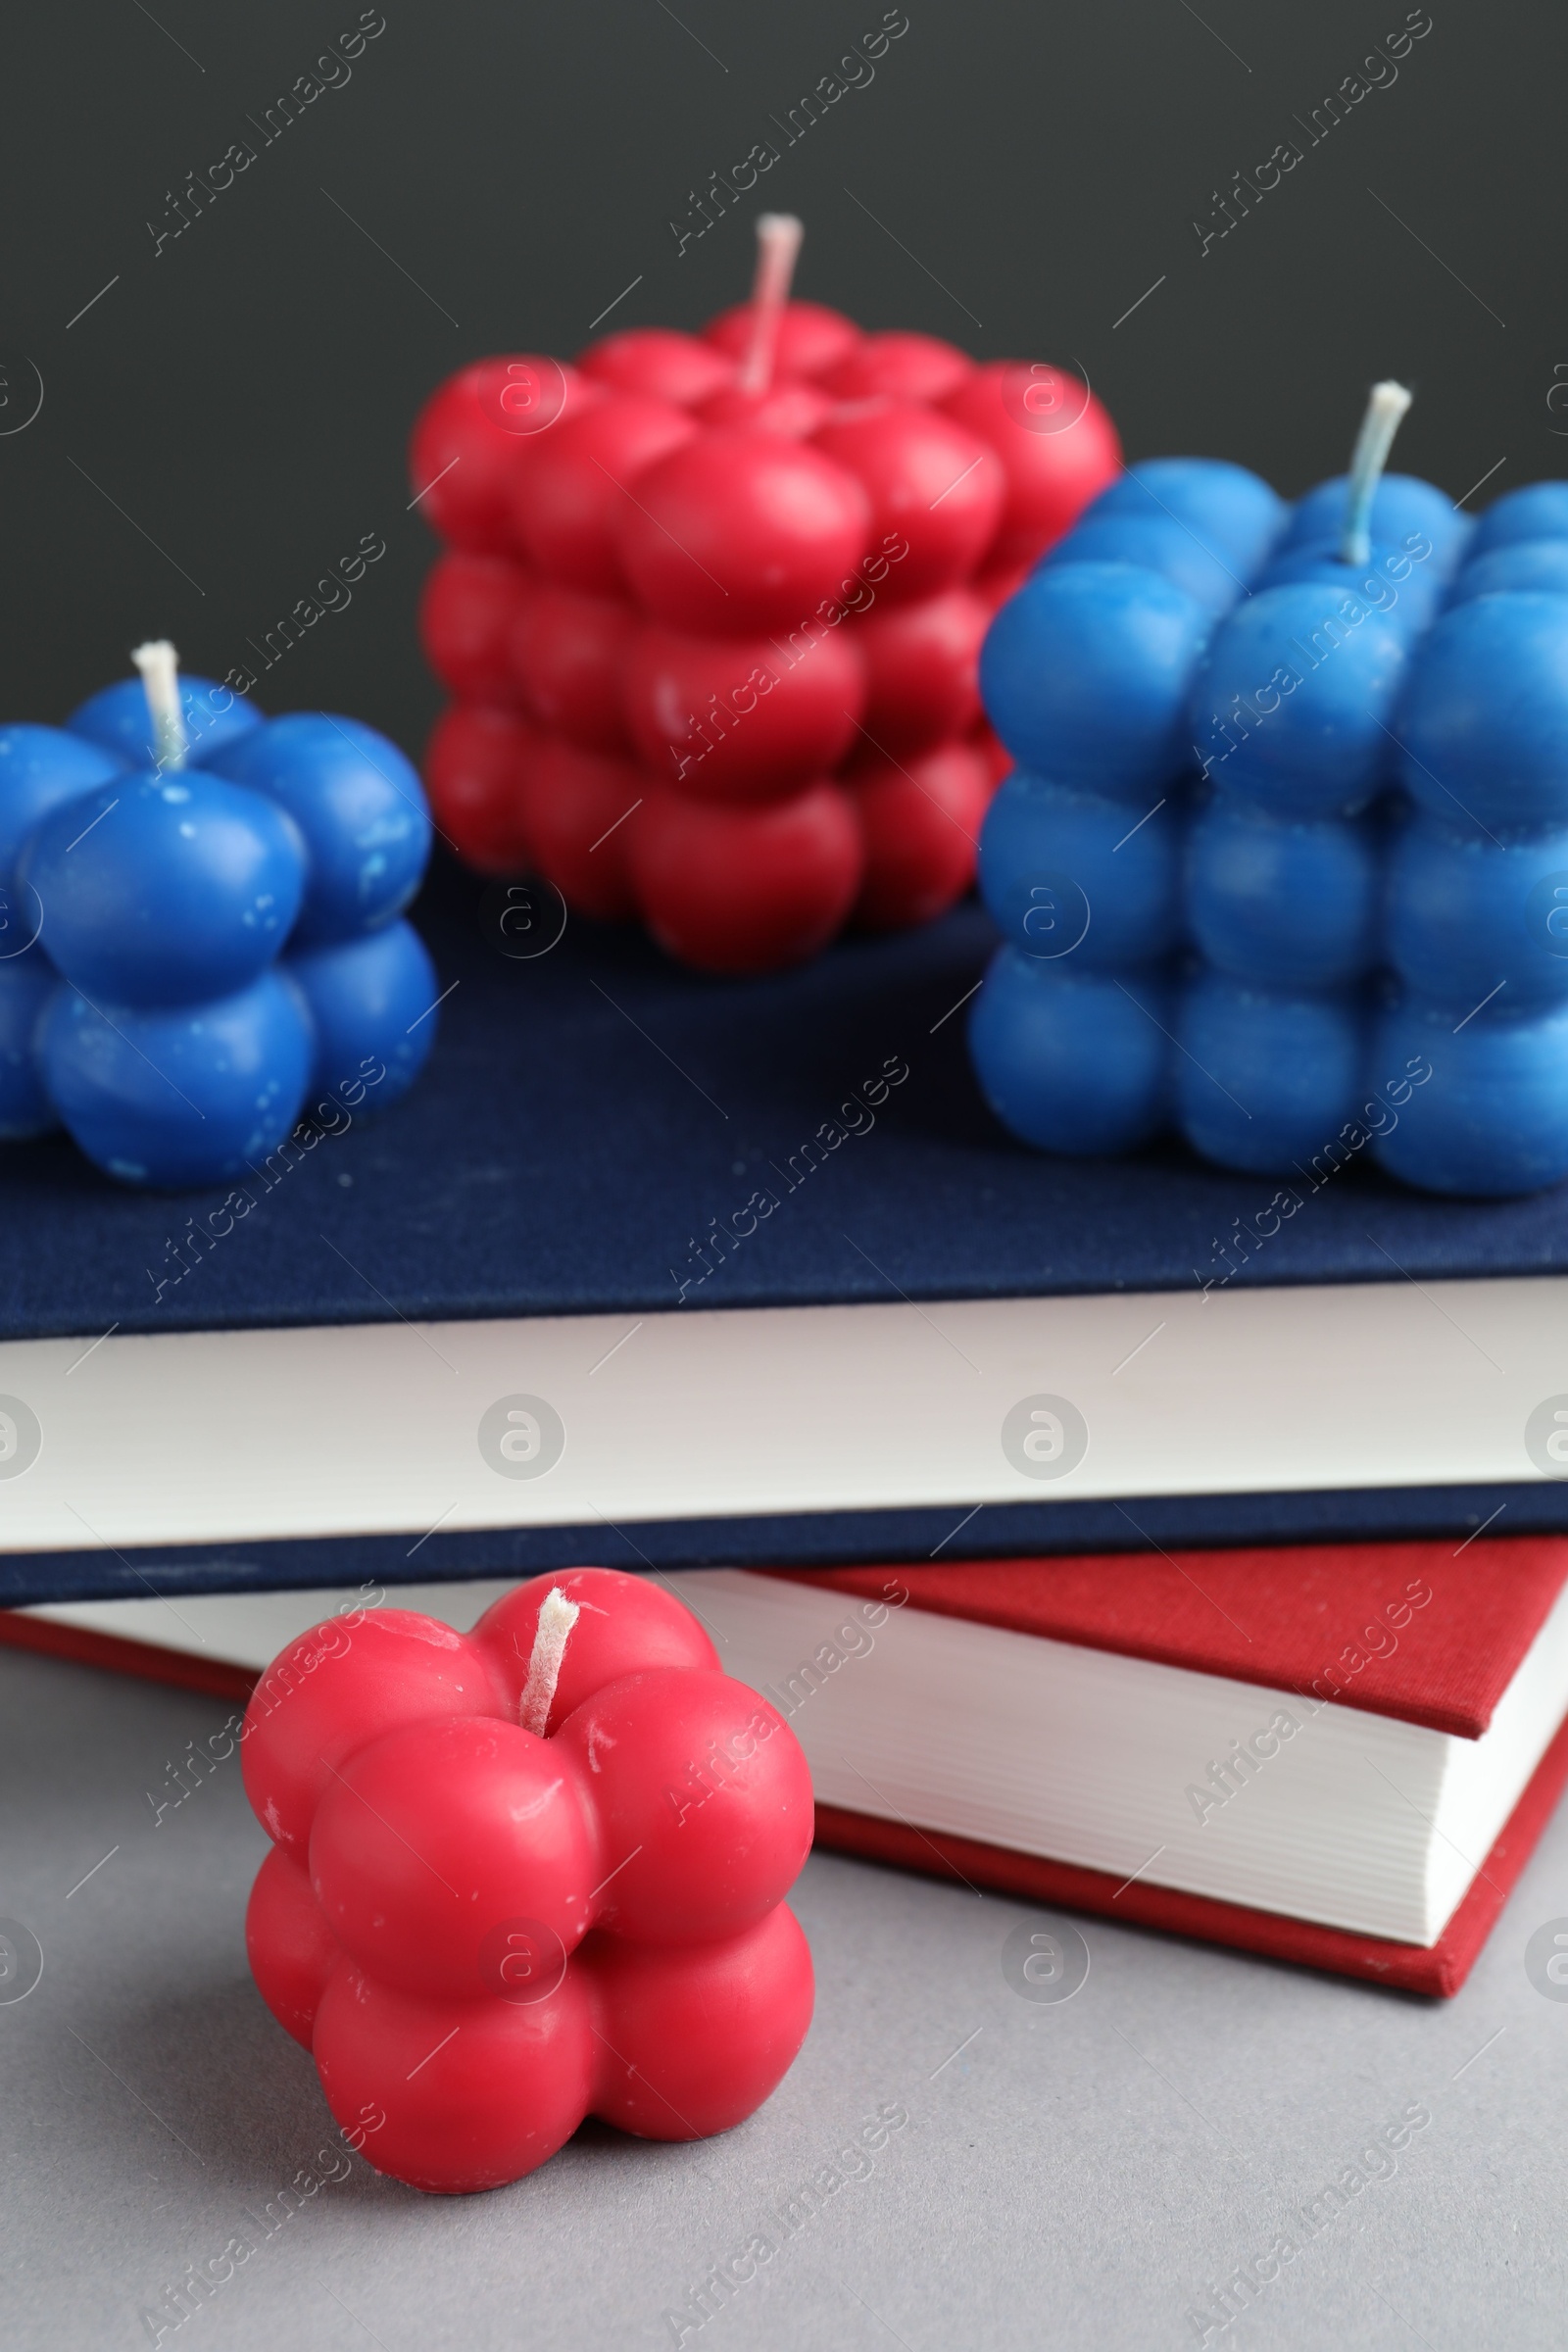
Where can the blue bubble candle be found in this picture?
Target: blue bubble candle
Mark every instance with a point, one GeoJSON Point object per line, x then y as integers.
{"type": "Point", "coordinates": [200, 925]}
{"type": "Point", "coordinates": [1285, 868]}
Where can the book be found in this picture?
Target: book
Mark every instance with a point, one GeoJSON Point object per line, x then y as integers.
{"type": "Point", "coordinates": [1335, 1755]}
{"type": "Point", "coordinates": [778, 1281]}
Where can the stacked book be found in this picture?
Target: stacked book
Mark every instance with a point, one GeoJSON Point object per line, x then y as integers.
{"type": "Point", "coordinates": [1225, 1517]}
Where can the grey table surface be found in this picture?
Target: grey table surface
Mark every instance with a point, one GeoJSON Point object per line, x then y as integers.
{"type": "Point", "coordinates": [1084, 2172]}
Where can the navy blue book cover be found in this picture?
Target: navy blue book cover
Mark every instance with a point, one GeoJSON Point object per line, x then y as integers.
{"type": "Point", "coordinates": [601, 1130]}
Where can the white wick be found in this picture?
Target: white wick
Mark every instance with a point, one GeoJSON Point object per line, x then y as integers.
{"type": "Point", "coordinates": [1385, 410]}
{"type": "Point", "coordinates": [557, 1617]}
{"type": "Point", "coordinates": [158, 665]}
{"type": "Point", "coordinates": [778, 243]}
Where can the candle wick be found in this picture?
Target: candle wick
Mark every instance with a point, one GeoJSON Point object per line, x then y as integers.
{"type": "Point", "coordinates": [778, 243]}
{"type": "Point", "coordinates": [557, 1617]}
{"type": "Point", "coordinates": [1385, 410]}
{"type": "Point", "coordinates": [158, 665]}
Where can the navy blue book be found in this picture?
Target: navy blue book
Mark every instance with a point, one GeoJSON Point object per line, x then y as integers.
{"type": "Point", "coordinates": [652, 1268]}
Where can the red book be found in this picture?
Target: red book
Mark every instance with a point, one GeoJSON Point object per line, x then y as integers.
{"type": "Point", "coordinates": [1340, 1756]}
{"type": "Point", "coordinates": [1465, 1649]}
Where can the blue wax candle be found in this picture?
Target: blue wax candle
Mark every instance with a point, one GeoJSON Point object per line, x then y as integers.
{"type": "Point", "coordinates": [1534, 565]}
{"type": "Point", "coordinates": [116, 719]}
{"type": "Point", "coordinates": [1230, 509]}
{"type": "Point", "coordinates": [359, 807]}
{"type": "Point", "coordinates": [164, 889]}
{"type": "Point", "coordinates": [151, 1012]}
{"type": "Point", "coordinates": [372, 1008]}
{"type": "Point", "coordinates": [27, 981]}
{"type": "Point", "coordinates": [1469, 914]}
{"type": "Point", "coordinates": [1283, 901]}
{"type": "Point", "coordinates": [1065, 872]}
{"type": "Point", "coordinates": [42, 767]}
{"type": "Point", "coordinates": [1402, 505]}
{"type": "Point", "coordinates": [1159, 543]}
{"type": "Point", "coordinates": [1362, 944]}
{"type": "Point", "coordinates": [1086, 676]}
{"type": "Point", "coordinates": [1402, 583]}
{"type": "Point", "coordinates": [1293, 700]}
{"type": "Point", "coordinates": [1540, 511]}
{"type": "Point", "coordinates": [1266, 1078]}
{"type": "Point", "coordinates": [1073, 1062]}
{"type": "Point", "coordinates": [179, 1095]}
{"type": "Point", "coordinates": [1488, 1107]}
{"type": "Point", "coordinates": [1483, 729]}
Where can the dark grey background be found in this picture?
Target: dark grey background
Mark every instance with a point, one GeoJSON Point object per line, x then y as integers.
{"type": "Point", "coordinates": [244, 398]}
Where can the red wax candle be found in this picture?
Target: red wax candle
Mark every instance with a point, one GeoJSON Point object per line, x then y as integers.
{"type": "Point", "coordinates": [526, 1874]}
{"type": "Point", "coordinates": [739, 581]}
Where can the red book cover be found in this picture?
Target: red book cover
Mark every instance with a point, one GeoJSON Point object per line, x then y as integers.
{"type": "Point", "coordinates": [1425, 1632]}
